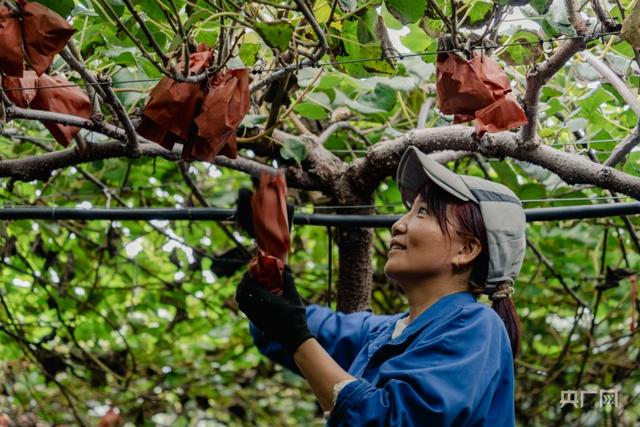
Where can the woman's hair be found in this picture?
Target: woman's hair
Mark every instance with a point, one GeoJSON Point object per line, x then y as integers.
{"type": "Point", "coordinates": [471, 225]}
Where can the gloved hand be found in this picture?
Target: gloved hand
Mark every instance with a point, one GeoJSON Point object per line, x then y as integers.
{"type": "Point", "coordinates": [244, 214]}
{"type": "Point", "coordinates": [282, 318]}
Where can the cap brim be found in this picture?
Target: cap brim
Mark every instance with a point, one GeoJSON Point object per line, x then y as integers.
{"type": "Point", "coordinates": [416, 168]}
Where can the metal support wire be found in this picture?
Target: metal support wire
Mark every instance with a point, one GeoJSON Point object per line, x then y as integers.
{"type": "Point", "coordinates": [327, 220]}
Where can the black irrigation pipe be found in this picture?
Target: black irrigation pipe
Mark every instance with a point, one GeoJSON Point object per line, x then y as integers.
{"type": "Point", "coordinates": [331, 220]}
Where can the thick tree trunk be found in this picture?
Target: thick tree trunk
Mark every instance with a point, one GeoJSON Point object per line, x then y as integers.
{"type": "Point", "coordinates": [355, 278]}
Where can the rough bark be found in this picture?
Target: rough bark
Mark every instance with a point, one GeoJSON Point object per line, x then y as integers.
{"type": "Point", "coordinates": [355, 280]}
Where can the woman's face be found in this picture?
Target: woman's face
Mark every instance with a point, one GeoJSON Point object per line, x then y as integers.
{"type": "Point", "coordinates": [419, 249]}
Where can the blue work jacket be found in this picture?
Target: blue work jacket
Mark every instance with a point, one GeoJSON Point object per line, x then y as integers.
{"type": "Point", "coordinates": [451, 366]}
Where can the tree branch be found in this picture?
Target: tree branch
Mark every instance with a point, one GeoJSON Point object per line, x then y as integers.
{"type": "Point", "coordinates": [121, 113]}
{"type": "Point", "coordinates": [624, 148]}
{"type": "Point", "coordinates": [41, 166]}
{"type": "Point", "coordinates": [574, 17]}
{"type": "Point", "coordinates": [615, 81]}
{"type": "Point", "coordinates": [75, 64]}
{"type": "Point", "coordinates": [324, 46]}
{"type": "Point", "coordinates": [382, 159]}
{"type": "Point", "coordinates": [537, 77]}
{"type": "Point", "coordinates": [540, 75]}
{"type": "Point", "coordinates": [333, 128]}
{"type": "Point", "coordinates": [147, 33]}
{"type": "Point", "coordinates": [324, 167]}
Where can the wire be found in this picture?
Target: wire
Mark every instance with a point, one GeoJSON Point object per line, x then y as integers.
{"type": "Point", "coordinates": [302, 208]}
{"type": "Point", "coordinates": [215, 214]}
{"type": "Point", "coordinates": [256, 69]}
{"type": "Point", "coordinates": [546, 200]}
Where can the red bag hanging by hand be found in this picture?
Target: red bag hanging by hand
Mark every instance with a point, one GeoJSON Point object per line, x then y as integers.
{"type": "Point", "coordinates": [271, 228]}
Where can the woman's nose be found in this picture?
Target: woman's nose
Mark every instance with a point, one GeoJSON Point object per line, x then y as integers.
{"type": "Point", "coordinates": [398, 227]}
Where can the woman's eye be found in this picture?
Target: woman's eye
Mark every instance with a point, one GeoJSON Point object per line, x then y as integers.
{"type": "Point", "coordinates": [422, 210]}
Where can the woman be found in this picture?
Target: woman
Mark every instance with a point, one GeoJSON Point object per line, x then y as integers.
{"type": "Point", "coordinates": [449, 360]}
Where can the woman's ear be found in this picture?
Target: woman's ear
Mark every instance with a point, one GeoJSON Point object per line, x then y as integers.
{"type": "Point", "coordinates": [467, 253]}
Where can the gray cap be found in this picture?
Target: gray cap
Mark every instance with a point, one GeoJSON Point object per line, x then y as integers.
{"type": "Point", "coordinates": [501, 210]}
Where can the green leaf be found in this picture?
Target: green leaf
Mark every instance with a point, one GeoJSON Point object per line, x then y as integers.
{"type": "Point", "coordinates": [116, 5]}
{"type": "Point", "coordinates": [61, 7]}
{"type": "Point", "coordinates": [532, 191]}
{"type": "Point", "coordinates": [480, 12]}
{"type": "Point", "coordinates": [366, 28]}
{"type": "Point", "coordinates": [586, 72]}
{"type": "Point", "coordinates": [389, 20]}
{"type": "Point", "coordinates": [329, 81]}
{"type": "Point", "coordinates": [513, 2]}
{"type": "Point", "coordinates": [207, 35]}
{"type": "Point", "coordinates": [152, 9]}
{"type": "Point", "coordinates": [293, 149]}
{"type": "Point", "coordinates": [311, 110]}
{"type": "Point", "coordinates": [541, 6]}
{"type": "Point", "coordinates": [348, 5]}
{"type": "Point", "coordinates": [506, 175]}
{"type": "Point", "coordinates": [275, 34]}
{"type": "Point", "coordinates": [416, 40]}
{"type": "Point", "coordinates": [383, 98]}
{"type": "Point", "coordinates": [322, 11]}
{"type": "Point", "coordinates": [591, 103]}
{"type": "Point", "coordinates": [253, 120]}
{"type": "Point", "coordinates": [406, 11]}
{"type": "Point", "coordinates": [529, 52]}
{"type": "Point", "coordinates": [556, 21]}
{"type": "Point", "coordinates": [356, 50]}
{"type": "Point", "coordinates": [248, 53]}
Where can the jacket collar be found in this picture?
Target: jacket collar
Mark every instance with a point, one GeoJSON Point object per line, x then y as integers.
{"type": "Point", "coordinates": [440, 308]}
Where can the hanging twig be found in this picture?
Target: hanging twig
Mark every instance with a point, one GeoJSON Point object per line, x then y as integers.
{"type": "Point", "coordinates": [557, 275]}
{"type": "Point", "coordinates": [145, 29]}
{"type": "Point", "coordinates": [121, 113]}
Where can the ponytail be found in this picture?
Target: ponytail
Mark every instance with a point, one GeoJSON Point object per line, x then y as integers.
{"type": "Point", "coordinates": [507, 312]}
{"type": "Point", "coordinates": [503, 305]}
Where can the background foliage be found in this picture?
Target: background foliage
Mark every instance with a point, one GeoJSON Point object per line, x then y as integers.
{"type": "Point", "coordinates": [134, 314]}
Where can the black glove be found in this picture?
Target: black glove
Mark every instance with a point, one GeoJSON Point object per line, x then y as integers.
{"type": "Point", "coordinates": [244, 214]}
{"type": "Point", "coordinates": [282, 318]}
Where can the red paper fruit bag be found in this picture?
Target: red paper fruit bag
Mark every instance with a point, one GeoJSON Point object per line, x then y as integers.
{"type": "Point", "coordinates": [271, 228]}
{"type": "Point", "coordinates": [65, 99]}
{"type": "Point", "coordinates": [172, 106]}
{"type": "Point", "coordinates": [10, 44]}
{"type": "Point", "coordinates": [477, 90]}
{"type": "Point", "coordinates": [21, 90]}
{"type": "Point", "coordinates": [222, 111]}
{"type": "Point", "coordinates": [45, 35]}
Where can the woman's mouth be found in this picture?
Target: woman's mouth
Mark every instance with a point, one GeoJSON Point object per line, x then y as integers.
{"type": "Point", "coordinates": [395, 246]}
